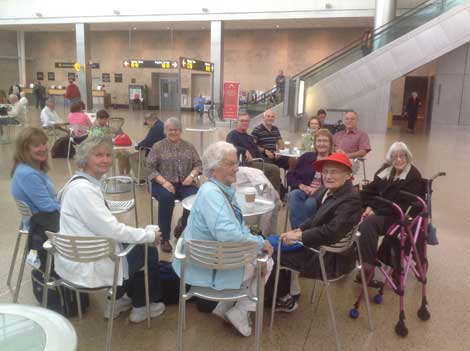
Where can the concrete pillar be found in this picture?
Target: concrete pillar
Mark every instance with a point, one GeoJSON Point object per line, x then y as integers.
{"type": "Point", "coordinates": [82, 35]}
{"type": "Point", "coordinates": [385, 11]}
{"type": "Point", "coordinates": [21, 58]}
{"type": "Point", "coordinates": [217, 57]}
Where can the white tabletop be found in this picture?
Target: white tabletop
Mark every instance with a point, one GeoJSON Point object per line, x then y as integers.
{"type": "Point", "coordinates": [31, 328]}
{"type": "Point", "coordinates": [210, 129]}
{"type": "Point", "coordinates": [290, 153]}
{"type": "Point", "coordinates": [260, 206]}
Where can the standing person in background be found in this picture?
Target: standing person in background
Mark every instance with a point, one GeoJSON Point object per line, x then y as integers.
{"type": "Point", "coordinates": [412, 106]}
{"type": "Point", "coordinates": [72, 93]}
{"type": "Point", "coordinates": [200, 101]}
{"type": "Point", "coordinates": [40, 93]}
{"type": "Point", "coordinates": [18, 111]}
{"type": "Point", "coordinates": [280, 81]}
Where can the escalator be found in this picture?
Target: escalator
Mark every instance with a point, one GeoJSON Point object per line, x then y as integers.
{"type": "Point", "coordinates": [358, 76]}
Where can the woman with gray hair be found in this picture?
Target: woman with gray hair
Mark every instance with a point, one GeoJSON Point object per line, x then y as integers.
{"type": "Point", "coordinates": [84, 213]}
{"type": "Point", "coordinates": [397, 174]}
{"type": "Point", "coordinates": [175, 164]}
{"type": "Point", "coordinates": [216, 216]}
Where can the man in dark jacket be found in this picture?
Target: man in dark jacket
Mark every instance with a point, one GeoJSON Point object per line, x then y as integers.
{"type": "Point", "coordinates": [339, 211]}
{"type": "Point", "coordinates": [155, 133]}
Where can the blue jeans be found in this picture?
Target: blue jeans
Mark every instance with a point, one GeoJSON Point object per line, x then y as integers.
{"type": "Point", "coordinates": [166, 204]}
{"type": "Point", "coordinates": [301, 207]}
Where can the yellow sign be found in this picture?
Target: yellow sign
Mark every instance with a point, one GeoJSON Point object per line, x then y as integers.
{"type": "Point", "coordinates": [77, 66]}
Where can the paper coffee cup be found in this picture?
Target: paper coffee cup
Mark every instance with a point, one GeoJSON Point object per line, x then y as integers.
{"type": "Point", "coordinates": [250, 195]}
{"type": "Point", "coordinates": [153, 227]}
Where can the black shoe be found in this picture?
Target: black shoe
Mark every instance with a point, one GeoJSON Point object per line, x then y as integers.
{"type": "Point", "coordinates": [179, 228]}
{"type": "Point", "coordinates": [372, 283]}
{"type": "Point", "coordinates": [286, 305]}
{"type": "Point", "coordinates": [139, 182]}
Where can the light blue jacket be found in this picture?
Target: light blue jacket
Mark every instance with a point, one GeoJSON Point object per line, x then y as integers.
{"type": "Point", "coordinates": [212, 218]}
{"type": "Point", "coordinates": [34, 188]}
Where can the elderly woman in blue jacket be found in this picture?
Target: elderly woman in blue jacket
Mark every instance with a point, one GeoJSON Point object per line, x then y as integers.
{"type": "Point", "coordinates": [216, 216]}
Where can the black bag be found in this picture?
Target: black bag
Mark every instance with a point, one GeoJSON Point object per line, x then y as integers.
{"type": "Point", "coordinates": [170, 283]}
{"type": "Point", "coordinates": [60, 147]}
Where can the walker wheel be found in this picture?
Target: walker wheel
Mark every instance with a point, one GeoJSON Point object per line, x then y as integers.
{"type": "Point", "coordinates": [423, 313]}
{"type": "Point", "coordinates": [354, 313]}
{"type": "Point", "coordinates": [378, 299]}
{"type": "Point", "coordinates": [401, 329]}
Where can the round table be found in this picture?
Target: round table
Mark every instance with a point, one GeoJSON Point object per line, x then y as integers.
{"type": "Point", "coordinates": [260, 206]}
{"type": "Point", "coordinates": [202, 131]}
{"type": "Point", "coordinates": [30, 328]}
{"type": "Point", "coordinates": [117, 186]}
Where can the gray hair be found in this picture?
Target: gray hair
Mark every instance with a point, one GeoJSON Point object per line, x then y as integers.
{"type": "Point", "coordinates": [50, 101]}
{"type": "Point", "coordinates": [175, 122]}
{"type": "Point", "coordinates": [396, 147]}
{"type": "Point", "coordinates": [213, 156]}
{"type": "Point", "coordinates": [12, 97]}
{"type": "Point", "coordinates": [87, 146]}
{"type": "Point", "coordinates": [152, 116]}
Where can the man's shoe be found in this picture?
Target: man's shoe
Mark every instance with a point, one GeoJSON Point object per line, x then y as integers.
{"type": "Point", "coordinates": [139, 182]}
{"type": "Point", "coordinates": [239, 320]}
{"type": "Point", "coordinates": [286, 304]}
{"type": "Point", "coordinates": [178, 229]}
{"type": "Point", "coordinates": [221, 309]}
{"type": "Point", "coordinates": [139, 314]}
{"type": "Point", "coordinates": [165, 246]}
{"type": "Point", "coordinates": [122, 305]}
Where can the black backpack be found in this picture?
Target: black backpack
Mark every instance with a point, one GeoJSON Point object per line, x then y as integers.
{"type": "Point", "coordinates": [60, 147]}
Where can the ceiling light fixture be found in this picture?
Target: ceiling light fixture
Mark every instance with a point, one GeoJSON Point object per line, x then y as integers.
{"type": "Point", "coordinates": [168, 28]}
{"type": "Point", "coordinates": [277, 25]}
{"type": "Point", "coordinates": [328, 6]}
{"type": "Point", "coordinates": [135, 28]}
{"type": "Point", "coordinates": [117, 12]}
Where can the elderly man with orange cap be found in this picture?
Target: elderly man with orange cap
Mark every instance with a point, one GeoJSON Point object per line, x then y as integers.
{"type": "Point", "coordinates": [339, 211]}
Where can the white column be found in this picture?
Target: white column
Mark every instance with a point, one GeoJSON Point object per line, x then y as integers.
{"type": "Point", "coordinates": [21, 58]}
{"type": "Point", "coordinates": [217, 57]}
{"type": "Point", "coordinates": [83, 57]}
{"type": "Point", "coordinates": [385, 11]}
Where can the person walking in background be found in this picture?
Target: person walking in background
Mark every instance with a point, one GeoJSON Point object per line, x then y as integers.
{"type": "Point", "coordinates": [40, 93]}
{"type": "Point", "coordinates": [72, 93]}
{"type": "Point", "coordinates": [200, 101]}
{"type": "Point", "coordinates": [280, 81]}
{"type": "Point", "coordinates": [366, 42]}
{"type": "Point", "coordinates": [412, 106]}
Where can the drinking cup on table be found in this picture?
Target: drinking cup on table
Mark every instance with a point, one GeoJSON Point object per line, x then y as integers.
{"type": "Point", "coordinates": [250, 196]}
{"type": "Point", "coordinates": [287, 145]}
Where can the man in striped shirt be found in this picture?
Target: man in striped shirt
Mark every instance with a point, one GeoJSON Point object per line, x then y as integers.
{"type": "Point", "coordinates": [268, 139]}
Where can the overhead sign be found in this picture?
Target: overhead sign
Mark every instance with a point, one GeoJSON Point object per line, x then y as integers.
{"type": "Point", "coordinates": [196, 65]}
{"type": "Point", "coordinates": [93, 65]}
{"type": "Point", "coordinates": [231, 92]}
{"type": "Point", "coordinates": [155, 64]}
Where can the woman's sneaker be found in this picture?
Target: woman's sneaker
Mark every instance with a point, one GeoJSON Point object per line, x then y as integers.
{"type": "Point", "coordinates": [286, 304]}
{"type": "Point", "coordinates": [221, 309]}
{"type": "Point", "coordinates": [122, 305]}
{"type": "Point", "coordinates": [139, 314]}
{"type": "Point", "coordinates": [240, 320]}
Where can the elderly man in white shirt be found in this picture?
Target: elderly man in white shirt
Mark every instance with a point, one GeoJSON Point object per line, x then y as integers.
{"type": "Point", "coordinates": [18, 111]}
{"type": "Point", "coordinates": [50, 118]}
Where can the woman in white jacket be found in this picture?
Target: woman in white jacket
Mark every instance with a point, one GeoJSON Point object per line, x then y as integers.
{"type": "Point", "coordinates": [84, 213]}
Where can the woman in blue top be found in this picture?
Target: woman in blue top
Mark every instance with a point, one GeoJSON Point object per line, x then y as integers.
{"type": "Point", "coordinates": [216, 216]}
{"type": "Point", "coordinates": [30, 182]}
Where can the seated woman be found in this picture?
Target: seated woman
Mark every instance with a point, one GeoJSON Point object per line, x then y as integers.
{"type": "Point", "coordinates": [79, 121]}
{"type": "Point", "coordinates": [338, 212]}
{"type": "Point", "coordinates": [216, 216]}
{"type": "Point", "coordinates": [175, 164]}
{"type": "Point", "coordinates": [395, 175]}
{"type": "Point", "coordinates": [101, 126]}
{"type": "Point", "coordinates": [304, 180]}
{"type": "Point", "coordinates": [30, 182]}
{"type": "Point", "coordinates": [84, 213]}
{"type": "Point", "coordinates": [313, 126]}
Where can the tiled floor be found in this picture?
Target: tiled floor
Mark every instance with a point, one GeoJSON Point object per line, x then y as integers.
{"type": "Point", "coordinates": [446, 149]}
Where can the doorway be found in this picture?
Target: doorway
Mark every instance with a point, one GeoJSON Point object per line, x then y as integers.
{"type": "Point", "coordinates": [168, 93]}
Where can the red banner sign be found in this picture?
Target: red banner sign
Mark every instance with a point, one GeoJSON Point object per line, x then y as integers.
{"type": "Point", "coordinates": [231, 91]}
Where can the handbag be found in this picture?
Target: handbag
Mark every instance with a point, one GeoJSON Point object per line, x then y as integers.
{"type": "Point", "coordinates": [122, 140]}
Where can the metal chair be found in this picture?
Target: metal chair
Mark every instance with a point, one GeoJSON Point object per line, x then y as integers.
{"type": "Point", "coordinates": [87, 249]}
{"type": "Point", "coordinates": [120, 184]}
{"type": "Point", "coordinates": [141, 164]}
{"type": "Point", "coordinates": [116, 123]}
{"type": "Point", "coordinates": [218, 255]}
{"type": "Point", "coordinates": [357, 164]}
{"type": "Point", "coordinates": [345, 244]}
{"type": "Point", "coordinates": [26, 214]}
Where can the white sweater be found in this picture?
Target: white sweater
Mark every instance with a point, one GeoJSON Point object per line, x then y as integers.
{"type": "Point", "coordinates": [84, 213]}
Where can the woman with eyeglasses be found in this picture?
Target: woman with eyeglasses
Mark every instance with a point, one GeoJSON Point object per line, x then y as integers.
{"type": "Point", "coordinates": [397, 174]}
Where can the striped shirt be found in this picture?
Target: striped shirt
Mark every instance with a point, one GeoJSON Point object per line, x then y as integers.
{"type": "Point", "coordinates": [265, 138]}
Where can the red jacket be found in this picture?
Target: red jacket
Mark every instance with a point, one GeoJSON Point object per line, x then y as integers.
{"type": "Point", "coordinates": [72, 91]}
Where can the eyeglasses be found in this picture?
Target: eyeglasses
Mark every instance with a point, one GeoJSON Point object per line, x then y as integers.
{"type": "Point", "coordinates": [397, 156]}
{"type": "Point", "coordinates": [331, 172]}
{"type": "Point", "coordinates": [322, 141]}
{"type": "Point", "coordinates": [231, 163]}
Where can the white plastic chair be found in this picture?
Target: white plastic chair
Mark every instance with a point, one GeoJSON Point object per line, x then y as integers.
{"type": "Point", "coordinates": [125, 184]}
{"type": "Point", "coordinates": [86, 249]}
{"type": "Point", "coordinates": [216, 255]}
{"type": "Point", "coordinates": [26, 214]}
{"type": "Point", "coordinates": [345, 244]}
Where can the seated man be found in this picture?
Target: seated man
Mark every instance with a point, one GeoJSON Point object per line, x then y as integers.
{"type": "Point", "coordinates": [216, 216]}
{"type": "Point", "coordinates": [268, 139]}
{"type": "Point", "coordinates": [352, 141]}
{"type": "Point", "coordinates": [338, 212]}
{"type": "Point", "coordinates": [18, 111]}
{"type": "Point", "coordinates": [155, 133]}
{"type": "Point", "coordinates": [50, 118]}
{"type": "Point", "coordinates": [246, 148]}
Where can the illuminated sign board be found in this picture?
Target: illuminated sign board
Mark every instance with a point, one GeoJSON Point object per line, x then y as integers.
{"type": "Point", "coordinates": [93, 65]}
{"type": "Point", "coordinates": [196, 65]}
{"type": "Point", "coordinates": [155, 64]}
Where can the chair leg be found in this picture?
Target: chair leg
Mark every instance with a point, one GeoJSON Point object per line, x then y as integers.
{"type": "Point", "coordinates": [147, 294]}
{"type": "Point", "coordinates": [13, 259]}
{"type": "Point", "coordinates": [20, 273]}
{"type": "Point", "coordinates": [45, 288]}
{"type": "Point", "coordinates": [181, 324]}
{"type": "Point", "coordinates": [259, 309]}
{"type": "Point", "coordinates": [312, 296]}
{"type": "Point", "coordinates": [109, 334]}
{"type": "Point", "coordinates": [330, 302]}
{"type": "Point", "coordinates": [276, 283]}
{"type": "Point", "coordinates": [364, 282]}
{"type": "Point", "coordinates": [79, 304]}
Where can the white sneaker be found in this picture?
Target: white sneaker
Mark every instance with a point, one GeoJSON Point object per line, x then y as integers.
{"type": "Point", "coordinates": [239, 320]}
{"type": "Point", "coordinates": [122, 305]}
{"type": "Point", "coordinates": [222, 308]}
{"type": "Point", "coordinates": [139, 314]}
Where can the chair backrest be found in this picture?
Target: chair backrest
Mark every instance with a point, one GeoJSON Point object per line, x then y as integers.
{"type": "Point", "coordinates": [81, 248]}
{"type": "Point", "coordinates": [24, 209]}
{"type": "Point", "coordinates": [220, 255]}
{"type": "Point", "coordinates": [116, 123]}
{"type": "Point", "coordinates": [124, 183]}
{"type": "Point", "coordinates": [344, 244]}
